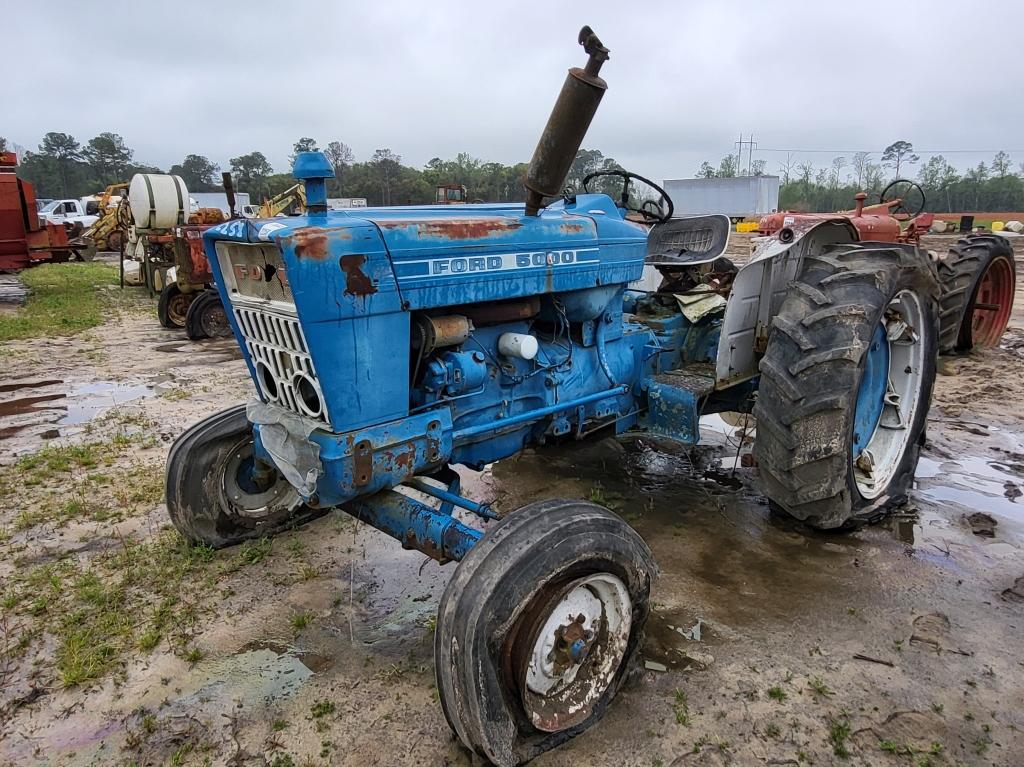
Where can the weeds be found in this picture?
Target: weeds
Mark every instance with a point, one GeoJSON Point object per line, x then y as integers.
{"type": "Point", "coordinates": [777, 694]}
{"type": "Point", "coordinates": [322, 708]}
{"type": "Point", "coordinates": [681, 709]}
{"type": "Point", "coordinates": [838, 735]}
{"type": "Point", "coordinates": [818, 687]}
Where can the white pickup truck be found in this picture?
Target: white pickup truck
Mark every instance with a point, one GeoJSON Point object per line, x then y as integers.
{"type": "Point", "coordinates": [69, 212]}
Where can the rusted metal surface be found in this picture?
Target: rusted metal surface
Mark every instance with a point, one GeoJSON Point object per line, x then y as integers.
{"type": "Point", "coordinates": [25, 240]}
{"type": "Point", "coordinates": [310, 242]}
{"type": "Point", "coordinates": [440, 332]}
{"type": "Point", "coordinates": [567, 125]}
{"type": "Point", "coordinates": [502, 311]}
{"type": "Point", "coordinates": [362, 463]}
{"type": "Point", "coordinates": [356, 281]}
{"type": "Point", "coordinates": [456, 228]}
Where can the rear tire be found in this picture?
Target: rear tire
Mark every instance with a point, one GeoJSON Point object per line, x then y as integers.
{"type": "Point", "coordinates": [210, 496]}
{"type": "Point", "coordinates": [828, 453]}
{"type": "Point", "coordinates": [172, 308]}
{"type": "Point", "coordinates": [518, 673]}
{"type": "Point", "coordinates": [962, 326]}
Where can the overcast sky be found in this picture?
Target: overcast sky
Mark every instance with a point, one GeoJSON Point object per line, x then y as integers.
{"type": "Point", "coordinates": [433, 78]}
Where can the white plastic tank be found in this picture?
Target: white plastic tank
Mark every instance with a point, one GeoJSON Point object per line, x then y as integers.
{"type": "Point", "coordinates": [158, 201]}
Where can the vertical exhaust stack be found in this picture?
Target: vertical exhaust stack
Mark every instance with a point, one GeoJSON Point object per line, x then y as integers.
{"type": "Point", "coordinates": [567, 125]}
{"type": "Point", "coordinates": [229, 192]}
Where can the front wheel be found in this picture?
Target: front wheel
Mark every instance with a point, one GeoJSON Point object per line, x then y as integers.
{"type": "Point", "coordinates": [217, 494]}
{"type": "Point", "coordinates": [172, 308]}
{"type": "Point", "coordinates": [206, 317]}
{"type": "Point", "coordinates": [846, 383]}
{"type": "Point", "coordinates": [538, 627]}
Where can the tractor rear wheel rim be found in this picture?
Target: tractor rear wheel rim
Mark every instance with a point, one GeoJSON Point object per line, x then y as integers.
{"type": "Point", "coordinates": [177, 308]}
{"type": "Point", "coordinates": [993, 302]}
{"type": "Point", "coordinates": [245, 496]}
{"type": "Point", "coordinates": [577, 640]}
{"type": "Point", "coordinates": [889, 396]}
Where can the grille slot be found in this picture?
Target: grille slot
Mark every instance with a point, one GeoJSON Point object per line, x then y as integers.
{"type": "Point", "coordinates": [284, 368]}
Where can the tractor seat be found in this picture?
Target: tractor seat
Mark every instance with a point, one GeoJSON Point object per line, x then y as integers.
{"type": "Point", "coordinates": [688, 241]}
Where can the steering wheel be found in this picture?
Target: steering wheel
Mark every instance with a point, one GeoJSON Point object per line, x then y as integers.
{"type": "Point", "coordinates": [651, 211]}
{"type": "Point", "coordinates": [910, 195]}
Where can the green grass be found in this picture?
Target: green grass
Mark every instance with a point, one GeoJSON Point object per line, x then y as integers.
{"type": "Point", "coordinates": [776, 693]}
{"type": "Point", "coordinates": [64, 299]}
{"type": "Point", "coordinates": [92, 494]}
{"type": "Point", "coordinates": [132, 597]}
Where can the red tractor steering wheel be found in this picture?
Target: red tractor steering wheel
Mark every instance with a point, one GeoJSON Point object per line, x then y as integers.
{"type": "Point", "coordinates": [910, 195]}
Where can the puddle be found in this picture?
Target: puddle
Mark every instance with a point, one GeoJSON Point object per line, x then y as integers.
{"type": "Point", "coordinates": [667, 641]}
{"type": "Point", "coordinates": [89, 400]}
{"type": "Point", "coordinates": [974, 483]}
{"type": "Point", "coordinates": [48, 402]}
{"type": "Point", "coordinates": [9, 387]}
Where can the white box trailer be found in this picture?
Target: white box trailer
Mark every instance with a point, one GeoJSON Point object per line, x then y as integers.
{"type": "Point", "coordinates": [219, 200]}
{"type": "Point", "coordinates": [738, 198]}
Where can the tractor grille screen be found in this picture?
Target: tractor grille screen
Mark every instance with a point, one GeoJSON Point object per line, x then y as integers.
{"type": "Point", "coordinates": [254, 272]}
{"type": "Point", "coordinates": [284, 368]}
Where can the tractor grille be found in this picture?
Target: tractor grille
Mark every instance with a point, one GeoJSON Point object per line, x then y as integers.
{"type": "Point", "coordinates": [284, 368]}
{"type": "Point", "coordinates": [254, 272]}
{"type": "Point", "coordinates": [261, 302]}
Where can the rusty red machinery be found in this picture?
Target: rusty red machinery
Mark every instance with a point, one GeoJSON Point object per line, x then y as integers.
{"type": "Point", "coordinates": [190, 302]}
{"type": "Point", "coordinates": [25, 240]}
{"type": "Point", "coordinates": [900, 202]}
{"type": "Point", "coordinates": [978, 273]}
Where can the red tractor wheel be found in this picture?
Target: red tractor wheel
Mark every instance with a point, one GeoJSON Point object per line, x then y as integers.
{"type": "Point", "coordinates": [992, 304]}
{"type": "Point", "coordinates": [978, 283]}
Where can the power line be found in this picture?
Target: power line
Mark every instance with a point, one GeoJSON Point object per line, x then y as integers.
{"type": "Point", "coordinates": [879, 151]}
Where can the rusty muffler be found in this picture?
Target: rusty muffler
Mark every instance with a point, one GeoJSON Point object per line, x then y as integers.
{"type": "Point", "coordinates": [567, 125]}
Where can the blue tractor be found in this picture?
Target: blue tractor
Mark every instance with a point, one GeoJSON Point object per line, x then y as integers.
{"type": "Point", "coordinates": [388, 344]}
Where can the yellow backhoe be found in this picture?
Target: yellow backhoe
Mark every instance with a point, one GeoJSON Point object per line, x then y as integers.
{"type": "Point", "coordinates": [284, 203]}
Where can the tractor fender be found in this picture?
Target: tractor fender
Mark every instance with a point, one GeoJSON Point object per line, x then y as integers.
{"type": "Point", "coordinates": [759, 289]}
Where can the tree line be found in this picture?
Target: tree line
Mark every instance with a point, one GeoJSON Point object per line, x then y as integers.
{"type": "Point", "coordinates": [63, 167]}
{"type": "Point", "coordinates": [803, 187]}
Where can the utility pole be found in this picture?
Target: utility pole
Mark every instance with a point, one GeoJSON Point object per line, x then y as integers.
{"type": "Point", "coordinates": [751, 145]}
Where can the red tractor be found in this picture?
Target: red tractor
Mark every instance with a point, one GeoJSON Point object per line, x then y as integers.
{"type": "Point", "coordinates": [978, 274]}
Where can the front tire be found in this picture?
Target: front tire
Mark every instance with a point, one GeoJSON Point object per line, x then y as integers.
{"type": "Point", "coordinates": [846, 383]}
{"type": "Point", "coordinates": [172, 308]}
{"type": "Point", "coordinates": [211, 496]}
{"type": "Point", "coordinates": [206, 317]}
{"type": "Point", "coordinates": [517, 670]}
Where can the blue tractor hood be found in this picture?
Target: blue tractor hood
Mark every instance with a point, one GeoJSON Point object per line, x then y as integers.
{"type": "Point", "coordinates": [458, 254]}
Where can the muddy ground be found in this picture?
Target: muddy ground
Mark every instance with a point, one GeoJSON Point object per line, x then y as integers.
{"type": "Point", "coordinates": [897, 644]}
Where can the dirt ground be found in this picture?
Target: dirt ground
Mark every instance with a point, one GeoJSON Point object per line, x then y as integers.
{"type": "Point", "coordinates": [896, 644]}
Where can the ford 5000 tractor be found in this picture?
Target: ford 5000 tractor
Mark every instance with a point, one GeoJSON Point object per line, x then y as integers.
{"type": "Point", "coordinates": [389, 344]}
